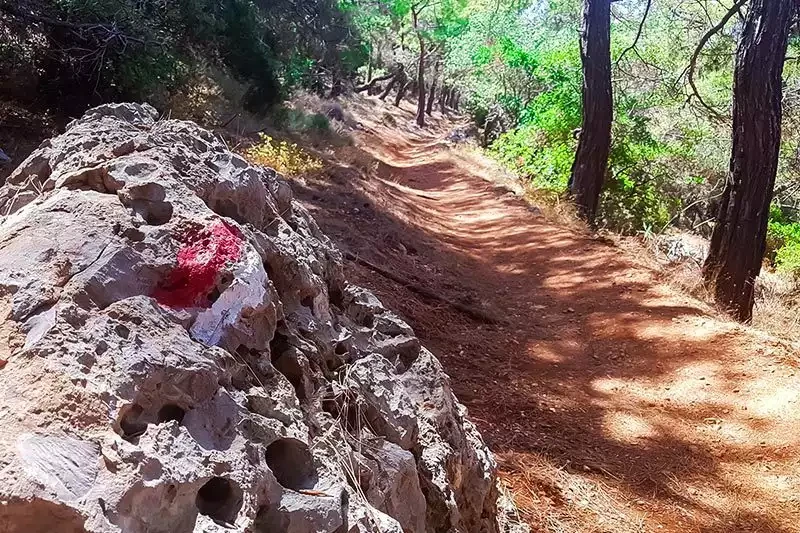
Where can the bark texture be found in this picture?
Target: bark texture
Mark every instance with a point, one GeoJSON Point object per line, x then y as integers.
{"type": "Point", "coordinates": [591, 159]}
{"type": "Point", "coordinates": [421, 93]}
{"type": "Point", "coordinates": [432, 91]}
{"type": "Point", "coordinates": [401, 93]}
{"type": "Point", "coordinates": [739, 238]}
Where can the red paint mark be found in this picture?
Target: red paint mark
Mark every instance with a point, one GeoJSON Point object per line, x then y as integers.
{"type": "Point", "coordinates": [204, 255]}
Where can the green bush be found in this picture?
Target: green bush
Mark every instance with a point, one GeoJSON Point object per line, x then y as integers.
{"type": "Point", "coordinates": [783, 241]}
{"type": "Point", "coordinates": [787, 259]}
{"type": "Point", "coordinates": [531, 155]}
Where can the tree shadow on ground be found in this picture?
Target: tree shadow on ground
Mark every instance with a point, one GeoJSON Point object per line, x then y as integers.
{"type": "Point", "coordinates": [598, 376]}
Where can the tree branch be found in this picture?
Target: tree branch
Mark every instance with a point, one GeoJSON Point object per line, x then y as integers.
{"type": "Point", "coordinates": [703, 41]}
{"type": "Point", "coordinates": [638, 34]}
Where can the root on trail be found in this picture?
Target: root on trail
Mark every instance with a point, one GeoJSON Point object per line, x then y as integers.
{"type": "Point", "coordinates": [472, 312]}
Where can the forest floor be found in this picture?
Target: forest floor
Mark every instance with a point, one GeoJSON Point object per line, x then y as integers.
{"type": "Point", "coordinates": [613, 401]}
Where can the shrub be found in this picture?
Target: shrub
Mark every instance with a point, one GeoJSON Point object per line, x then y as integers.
{"type": "Point", "coordinates": [783, 242]}
{"type": "Point", "coordinates": [787, 259]}
{"type": "Point", "coordinates": [285, 157]}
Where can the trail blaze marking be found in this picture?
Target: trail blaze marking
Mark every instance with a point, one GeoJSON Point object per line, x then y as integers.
{"type": "Point", "coordinates": [204, 255]}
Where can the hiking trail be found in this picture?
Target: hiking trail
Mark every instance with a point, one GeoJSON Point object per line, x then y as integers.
{"type": "Point", "coordinates": [613, 402]}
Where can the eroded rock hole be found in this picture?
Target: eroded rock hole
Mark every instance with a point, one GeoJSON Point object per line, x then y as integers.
{"type": "Point", "coordinates": [308, 301]}
{"type": "Point", "coordinates": [153, 213]}
{"type": "Point", "coordinates": [171, 412]}
{"type": "Point", "coordinates": [336, 296]}
{"type": "Point", "coordinates": [219, 499]}
{"type": "Point", "coordinates": [291, 463]}
{"type": "Point", "coordinates": [222, 285]}
{"type": "Point", "coordinates": [341, 348]}
{"type": "Point", "coordinates": [285, 361]}
{"type": "Point", "coordinates": [130, 425]}
{"type": "Point", "coordinates": [122, 331]}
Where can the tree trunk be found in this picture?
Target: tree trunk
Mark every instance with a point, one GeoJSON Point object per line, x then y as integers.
{"type": "Point", "coordinates": [738, 241]}
{"type": "Point", "coordinates": [591, 159]}
{"type": "Point", "coordinates": [420, 71]}
{"type": "Point", "coordinates": [432, 92]}
{"type": "Point", "coordinates": [443, 98]}
{"type": "Point", "coordinates": [389, 87]}
{"type": "Point", "coordinates": [369, 62]}
{"type": "Point", "coordinates": [401, 92]}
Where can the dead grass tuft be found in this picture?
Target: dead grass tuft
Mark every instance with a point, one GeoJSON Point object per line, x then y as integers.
{"type": "Point", "coordinates": [555, 500]}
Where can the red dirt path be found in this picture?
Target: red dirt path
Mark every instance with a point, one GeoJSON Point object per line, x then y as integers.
{"type": "Point", "coordinates": [613, 402]}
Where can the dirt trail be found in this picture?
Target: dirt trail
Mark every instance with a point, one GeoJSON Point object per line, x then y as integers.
{"type": "Point", "coordinates": [613, 402]}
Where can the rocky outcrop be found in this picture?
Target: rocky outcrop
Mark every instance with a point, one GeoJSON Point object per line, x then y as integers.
{"type": "Point", "coordinates": [181, 352]}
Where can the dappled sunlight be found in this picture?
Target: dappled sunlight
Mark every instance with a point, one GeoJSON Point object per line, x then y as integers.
{"type": "Point", "coordinates": [604, 393]}
{"type": "Point", "coordinates": [628, 427]}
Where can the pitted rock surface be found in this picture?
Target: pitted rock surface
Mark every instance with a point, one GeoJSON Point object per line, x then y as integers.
{"type": "Point", "coordinates": [181, 353]}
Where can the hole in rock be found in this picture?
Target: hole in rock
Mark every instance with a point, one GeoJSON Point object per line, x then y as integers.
{"type": "Point", "coordinates": [130, 424]}
{"type": "Point", "coordinates": [291, 370]}
{"type": "Point", "coordinates": [291, 462]}
{"type": "Point", "coordinates": [341, 348]}
{"type": "Point", "coordinates": [334, 364]}
{"type": "Point", "coordinates": [222, 285]}
{"type": "Point", "coordinates": [214, 295]}
{"type": "Point", "coordinates": [285, 362]}
{"type": "Point", "coordinates": [153, 213]}
{"type": "Point", "coordinates": [308, 301]}
{"type": "Point", "coordinates": [171, 412]}
{"type": "Point", "coordinates": [336, 296]}
{"type": "Point", "coordinates": [278, 345]}
{"type": "Point", "coordinates": [122, 331]}
{"type": "Point", "coordinates": [219, 499]}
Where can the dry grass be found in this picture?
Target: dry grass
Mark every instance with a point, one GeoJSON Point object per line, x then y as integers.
{"type": "Point", "coordinates": [777, 305]}
{"type": "Point", "coordinates": [777, 309]}
{"type": "Point", "coordinates": [556, 500]}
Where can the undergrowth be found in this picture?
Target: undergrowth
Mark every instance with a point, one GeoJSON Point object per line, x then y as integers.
{"type": "Point", "coordinates": [285, 157]}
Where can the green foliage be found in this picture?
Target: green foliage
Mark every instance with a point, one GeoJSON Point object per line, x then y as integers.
{"type": "Point", "coordinates": [666, 155]}
{"type": "Point", "coordinates": [147, 49]}
{"type": "Point", "coordinates": [285, 157]}
{"type": "Point", "coordinates": [783, 241]}
{"type": "Point", "coordinates": [787, 259]}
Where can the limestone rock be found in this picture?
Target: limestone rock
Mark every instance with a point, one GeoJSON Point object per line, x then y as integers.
{"type": "Point", "coordinates": [184, 355]}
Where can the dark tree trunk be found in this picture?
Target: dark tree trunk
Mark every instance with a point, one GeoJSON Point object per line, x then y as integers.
{"type": "Point", "coordinates": [389, 87]}
{"type": "Point", "coordinates": [421, 92]}
{"type": "Point", "coordinates": [432, 92]}
{"type": "Point", "coordinates": [457, 100]}
{"type": "Point", "coordinates": [738, 241]}
{"type": "Point", "coordinates": [401, 92]}
{"type": "Point", "coordinates": [369, 62]}
{"type": "Point", "coordinates": [443, 98]}
{"type": "Point", "coordinates": [450, 96]}
{"type": "Point", "coordinates": [399, 80]}
{"type": "Point", "coordinates": [337, 86]}
{"type": "Point", "coordinates": [591, 159]}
